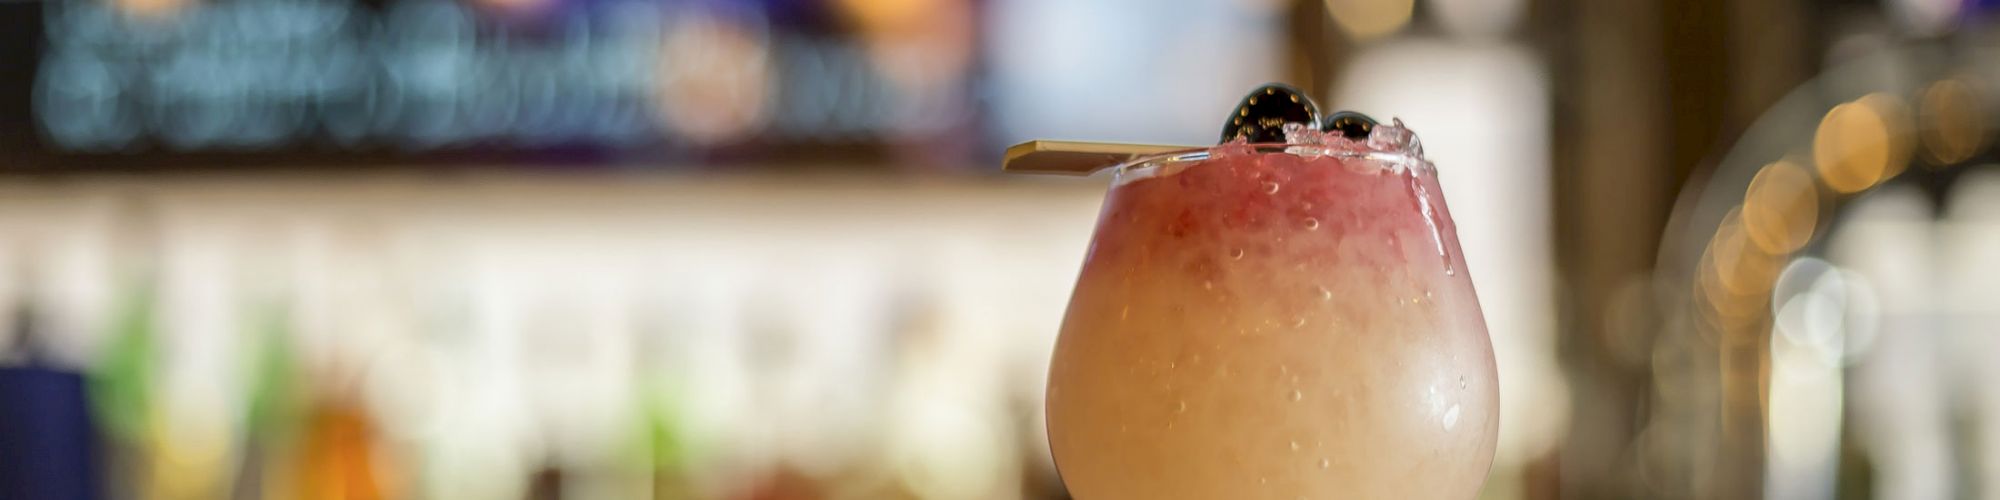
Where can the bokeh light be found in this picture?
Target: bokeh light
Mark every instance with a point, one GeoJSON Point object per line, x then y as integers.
{"type": "Point", "coordinates": [1368, 19]}
{"type": "Point", "coordinates": [1861, 143]}
{"type": "Point", "coordinates": [152, 9]}
{"type": "Point", "coordinates": [712, 77]}
{"type": "Point", "coordinates": [1926, 17]}
{"type": "Point", "coordinates": [1806, 390]}
{"type": "Point", "coordinates": [1952, 114]}
{"type": "Point", "coordinates": [1781, 207]}
{"type": "Point", "coordinates": [1850, 149]}
{"type": "Point", "coordinates": [1478, 18]}
{"type": "Point", "coordinates": [1735, 274]}
{"type": "Point", "coordinates": [1900, 121]}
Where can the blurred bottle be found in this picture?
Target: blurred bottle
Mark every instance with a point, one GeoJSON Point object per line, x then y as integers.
{"type": "Point", "coordinates": [783, 482]}
{"type": "Point", "coordinates": [121, 392]}
{"type": "Point", "coordinates": [547, 482]}
{"type": "Point", "coordinates": [48, 442]}
{"type": "Point", "coordinates": [947, 438]}
{"type": "Point", "coordinates": [665, 449]}
{"type": "Point", "coordinates": [340, 451]}
{"type": "Point", "coordinates": [271, 415]}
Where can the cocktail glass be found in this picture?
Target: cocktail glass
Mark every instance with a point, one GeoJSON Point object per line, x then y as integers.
{"type": "Point", "coordinates": [1288, 320]}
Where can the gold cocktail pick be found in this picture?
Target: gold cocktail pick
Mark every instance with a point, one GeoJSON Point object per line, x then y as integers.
{"type": "Point", "coordinates": [1077, 157]}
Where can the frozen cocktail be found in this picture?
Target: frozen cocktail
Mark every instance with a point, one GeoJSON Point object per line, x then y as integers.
{"type": "Point", "coordinates": [1280, 319]}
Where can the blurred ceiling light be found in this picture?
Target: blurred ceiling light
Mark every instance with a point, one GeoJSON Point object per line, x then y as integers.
{"type": "Point", "coordinates": [924, 48]}
{"type": "Point", "coordinates": [1805, 383]}
{"type": "Point", "coordinates": [1889, 238]}
{"type": "Point", "coordinates": [1368, 19]}
{"type": "Point", "coordinates": [1809, 311]}
{"type": "Point", "coordinates": [889, 15]}
{"type": "Point", "coordinates": [1857, 144]}
{"type": "Point", "coordinates": [151, 8]}
{"type": "Point", "coordinates": [1953, 121]}
{"type": "Point", "coordinates": [516, 7]}
{"type": "Point", "coordinates": [1781, 208]}
{"type": "Point", "coordinates": [1478, 18]}
{"type": "Point", "coordinates": [1925, 17]}
{"type": "Point", "coordinates": [1826, 309]}
{"type": "Point", "coordinates": [713, 76]}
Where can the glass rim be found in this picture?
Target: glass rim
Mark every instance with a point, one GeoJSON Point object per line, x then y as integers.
{"type": "Point", "coordinates": [1190, 155]}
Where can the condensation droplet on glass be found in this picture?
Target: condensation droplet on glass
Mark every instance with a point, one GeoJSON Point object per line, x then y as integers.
{"type": "Point", "coordinates": [1461, 381]}
{"type": "Point", "coordinates": [1312, 224]}
{"type": "Point", "coordinates": [1451, 417]}
{"type": "Point", "coordinates": [1299, 322]}
{"type": "Point", "coordinates": [1270, 187]}
{"type": "Point", "coordinates": [1172, 365]}
{"type": "Point", "coordinates": [1282, 368]}
{"type": "Point", "coordinates": [1295, 446]}
{"type": "Point", "coordinates": [1235, 254]}
{"type": "Point", "coordinates": [1296, 395]}
{"type": "Point", "coordinates": [1325, 294]}
{"type": "Point", "coordinates": [1180, 406]}
{"type": "Point", "coordinates": [1263, 480]}
{"type": "Point", "coordinates": [1427, 294]}
{"type": "Point", "coordinates": [1324, 463]}
{"type": "Point", "coordinates": [1207, 284]}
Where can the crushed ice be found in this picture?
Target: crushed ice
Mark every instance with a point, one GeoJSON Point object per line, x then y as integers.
{"type": "Point", "coordinates": [1393, 144]}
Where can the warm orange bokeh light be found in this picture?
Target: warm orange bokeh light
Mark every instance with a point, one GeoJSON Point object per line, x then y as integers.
{"type": "Point", "coordinates": [1781, 208]}
{"type": "Point", "coordinates": [1953, 126]}
{"type": "Point", "coordinates": [1862, 143]}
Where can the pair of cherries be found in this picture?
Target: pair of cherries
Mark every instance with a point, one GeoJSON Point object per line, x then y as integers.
{"type": "Point", "coordinates": [1262, 116]}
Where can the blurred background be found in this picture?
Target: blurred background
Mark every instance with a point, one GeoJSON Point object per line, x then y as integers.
{"type": "Point", "coordinates": [760, 249]}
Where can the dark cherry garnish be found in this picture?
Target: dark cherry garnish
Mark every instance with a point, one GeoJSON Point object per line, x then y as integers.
{"type": "Point", "coordinates": [1350, 124]}
{"type": "Point", "coordinates": [1262, 115]}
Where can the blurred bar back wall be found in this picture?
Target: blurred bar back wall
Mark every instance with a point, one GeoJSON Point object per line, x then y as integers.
{"type": "Point", "coordinates": [759, 249]}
